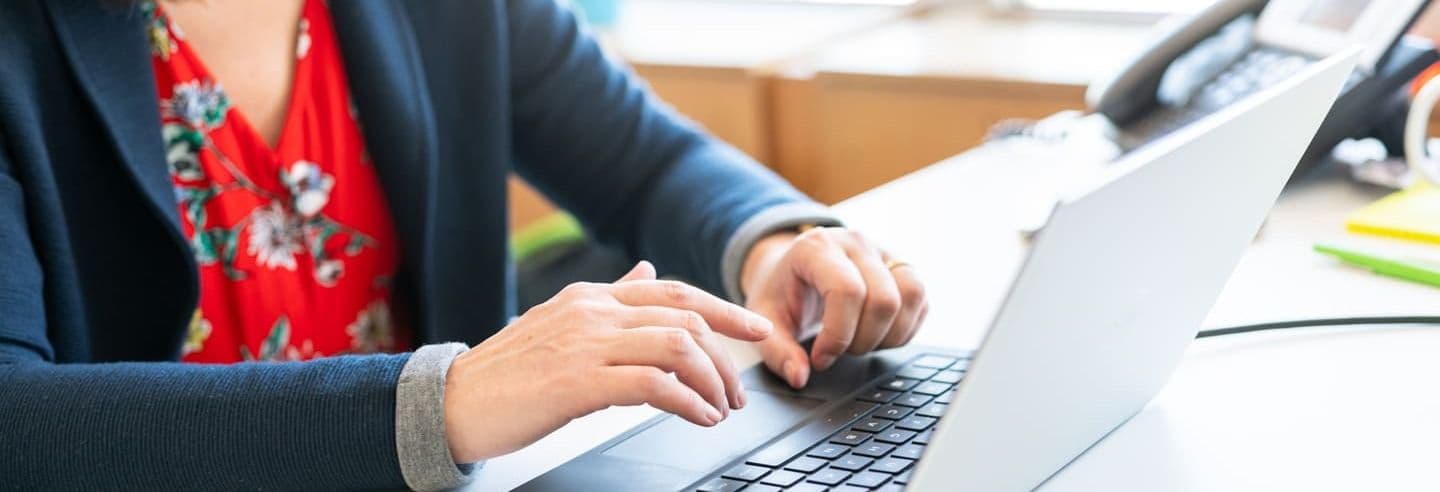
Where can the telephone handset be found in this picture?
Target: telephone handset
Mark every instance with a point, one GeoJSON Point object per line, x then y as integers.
{"type": "Point", "coordinates": [1124, 95]}
{"type": "Point", "coordinates": [1200, 63]}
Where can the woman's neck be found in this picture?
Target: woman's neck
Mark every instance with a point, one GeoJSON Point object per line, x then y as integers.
{"type": "Point", "coordinates": [250, 48]}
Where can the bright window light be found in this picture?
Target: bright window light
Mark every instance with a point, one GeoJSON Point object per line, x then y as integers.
{"type": "Point", "coordinates": [1108, 6]}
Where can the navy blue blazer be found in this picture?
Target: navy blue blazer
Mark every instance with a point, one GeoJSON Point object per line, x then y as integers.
{"type": "Point", "coordinates": [97, 285]}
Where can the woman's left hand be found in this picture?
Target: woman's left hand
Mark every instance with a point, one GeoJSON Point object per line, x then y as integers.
{"type": "Point", "coordinates": [870, 300]}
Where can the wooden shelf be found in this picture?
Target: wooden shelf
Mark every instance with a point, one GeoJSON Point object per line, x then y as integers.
{"type": "Point", "coordinates": [917, 90]}
{"type": "Point", "coordinates": [841, 98]}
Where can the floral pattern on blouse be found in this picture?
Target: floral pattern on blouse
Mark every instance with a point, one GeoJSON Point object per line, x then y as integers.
{"type": "Point", "coordinates": [293, 240]}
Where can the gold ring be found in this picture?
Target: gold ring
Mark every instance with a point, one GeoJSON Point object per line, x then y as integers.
{"type": "Point", "coordinates": [893, 264]}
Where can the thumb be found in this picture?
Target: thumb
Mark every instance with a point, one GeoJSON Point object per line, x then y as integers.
{"type": "Point", "coordinates": [641, 271]}
{"type": "Point", "coordinates": [782, 353]}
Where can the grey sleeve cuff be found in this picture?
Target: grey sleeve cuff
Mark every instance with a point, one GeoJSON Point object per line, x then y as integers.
{"type": "Point", "coordinates": [425, 459]}
{"type": "Point", "coordinates": [768, 221]}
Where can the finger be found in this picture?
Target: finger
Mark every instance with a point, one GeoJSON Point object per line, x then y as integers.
{"type": "Point", "coordinates": [842, 288]}
{"type": "Point", "coordinates": [640, 385]}
{"type": "Point", "coordinates": [673, 350]}
{"type": "Point", "coordinates": [919, 321]}
{"type": "Point", "coordinates": [695, 324]}
{"type": "Point", "coordinates": [725, 318]}
{"type": "Point", "coordinates": [882, 296]}
{"type": "Point", "coordinates": [641, 271]}
{"type": "Point", "coordinates": [782, 354]}
{"type": "Point", "coordinates": [912, 291]}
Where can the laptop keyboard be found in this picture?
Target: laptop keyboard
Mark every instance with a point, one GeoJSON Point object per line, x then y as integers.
{"type": "Point", "coordinates": [871, 442]}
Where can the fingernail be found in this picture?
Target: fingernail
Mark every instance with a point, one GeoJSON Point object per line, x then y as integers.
{"type": "Point", "coordinates": [794, 374]}
{"type": "Point", "coordinates": [823, 361]}
{"type": "Point", "coordinates": [714, 415]}
{"type": "Point", "coordinates": [739, 396]}
{"type": "Point", "coordinates": [762, 328]}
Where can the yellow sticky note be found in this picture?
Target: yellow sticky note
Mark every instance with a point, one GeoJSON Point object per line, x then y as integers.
{"type": "Point", "coordinates": [1412, 214]}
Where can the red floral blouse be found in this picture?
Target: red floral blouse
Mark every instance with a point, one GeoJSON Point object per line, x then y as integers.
{"type": "Point", "coordinates": [295, 244]}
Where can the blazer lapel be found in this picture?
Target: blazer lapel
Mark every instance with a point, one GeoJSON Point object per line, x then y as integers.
{"type": "Point", "coordinates": [107, 49]}
{"type": "Point", "coordinates": [382, 63]}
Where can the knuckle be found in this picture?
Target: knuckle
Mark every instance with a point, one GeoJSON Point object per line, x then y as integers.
{"type": "Point", "coordinates": [590, 312]}
{"type": "Point", "coordinates": [653, 382]}
{"type": "Point", "coordinates": [850, 289]}
{"type": "Point", "coordinates": [678, 342]}
{"type": "Point", "coordinates": [675, 291]}
{"type": "Point", "coordinates": [816, 238]}
{"type": "Point", "coordinates": [579, 289]}
{"type": "Point", "coordinates": [857, 236]}
{"type": "Point", "coordinates": [693, 322]}
{"type": "Point", "coordinates": [831, 345]}
{"type": "Point", "coordinates": [912, 291]}
{"type": "Point", "coordinates": [885, 304]}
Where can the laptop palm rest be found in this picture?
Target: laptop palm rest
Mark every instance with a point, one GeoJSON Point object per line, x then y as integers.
{"type": "Point", "coordinates": [668, 453]}
{"type": "Point", "coordinates": [676, 443]}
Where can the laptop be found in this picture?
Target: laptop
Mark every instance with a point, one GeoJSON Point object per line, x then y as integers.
{"type": "Point", "coordinates": [1111, 292]}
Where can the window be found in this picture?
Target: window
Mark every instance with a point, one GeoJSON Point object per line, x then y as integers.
{"type": "Point", "coordinates": [1123, 7]}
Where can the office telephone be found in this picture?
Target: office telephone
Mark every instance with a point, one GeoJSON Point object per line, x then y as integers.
{"type": "Point", "coordinates": [1201, 63]}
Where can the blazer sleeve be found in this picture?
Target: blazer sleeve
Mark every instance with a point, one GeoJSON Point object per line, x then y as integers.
{"type": "Point", "coordinates": [593, 138]}
{"type": "Point", "coordinates": [326, 424]}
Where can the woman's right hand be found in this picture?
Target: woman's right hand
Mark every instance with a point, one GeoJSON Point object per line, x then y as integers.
{"type": "Point", "coordinates": [593, 346]}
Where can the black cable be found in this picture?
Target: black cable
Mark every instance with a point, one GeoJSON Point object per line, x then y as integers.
{"type": "Point", "coordinates": [1310, 323]}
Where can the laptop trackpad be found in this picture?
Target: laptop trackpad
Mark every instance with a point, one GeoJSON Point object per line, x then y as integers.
{"type": "Point", "coordinates": [679, 444]}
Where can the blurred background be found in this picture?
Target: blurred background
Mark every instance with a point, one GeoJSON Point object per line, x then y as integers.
{"type": "Point", "coordinates": [839, 96]}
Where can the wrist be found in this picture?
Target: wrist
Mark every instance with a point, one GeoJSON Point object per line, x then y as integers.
{"type": "Point", "coordinates": [763, 257]}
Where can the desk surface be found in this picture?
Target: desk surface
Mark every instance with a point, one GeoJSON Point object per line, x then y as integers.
{"type": "Point", "coordinates": [1311, 410]}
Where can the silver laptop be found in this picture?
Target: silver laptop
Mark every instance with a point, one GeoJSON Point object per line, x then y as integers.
{"type": "Point", "coordinates": [1112, 291]}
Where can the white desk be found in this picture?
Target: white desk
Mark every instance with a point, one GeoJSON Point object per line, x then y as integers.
{"type": "Point", "coordinates": [1307, 410]}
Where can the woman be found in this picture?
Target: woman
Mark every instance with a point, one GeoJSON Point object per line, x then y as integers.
{"type": "Point", "coordinates": [191, 191]}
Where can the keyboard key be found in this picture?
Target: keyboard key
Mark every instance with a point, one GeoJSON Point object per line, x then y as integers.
{"type": "Point", "coordinates": [763, 488]}
{"type": "Point", "coordinates": [827, 451]}
{"type": "Point", "coordinates": [945, 397]}
{"type": "Point", "coordinates": [869, 479]}
{"type": "Point", "coordinates": [909, 451]}
{"type": "Point", "coordinates": [932, 410]}
{"type": "Point", "coordinates": [916, 372]}
{"type": "Point", "coordinates": [720, 485]}
{"type": "Point", "coordinates": [904, 478]}
{"type": "Point", "coordinates": [871, 425]}
{"type": "Point", "coordinates": [913, 400]}
{"type": "Point", "coordinates": [891, 487]}
{"type": "Point", "coordinates": [852, 462]}
{"type": "Point", "coordinates": [746, 473]}
{"type": "Point", "coordinates": [895, 436]}
{"type": "Point", "coordinates": [924, 437]}
{"type": "Point", "coordinates": [891, 465]}
{"type": "Point", "coordinates": [850, 488]}
{"type": "Point", "coordinates": [782, 478]}
{"type": "Point", "coordinates": [915, 423]}
{"type": "Point", "coordinates": [935, 361]}
{"type": "Point", "coordinates": [899, 384]}
{"type": "Point", "coordinates": [805, 464]}
{"type": "Point", "coordinates": [807, 487]}
{"type": "Point", "coordinates": [880, 396]}
{"type": "Point", "coordinates": [931, 388]}
{"type": "Point", "coordinates": [961, 365]}
{"type": "Point", "coordinates": [797, 442]}
{"type": "Point", "coordinates": [951, 377]}
{"type": "Point", "coordinates": [873, 449]}
{"type": "Point", "coordinates": [892, 412]}
{"type": "Point", "coordinates": [850, 438]}
{"type": "Point", "coordinates": [829, 476]}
